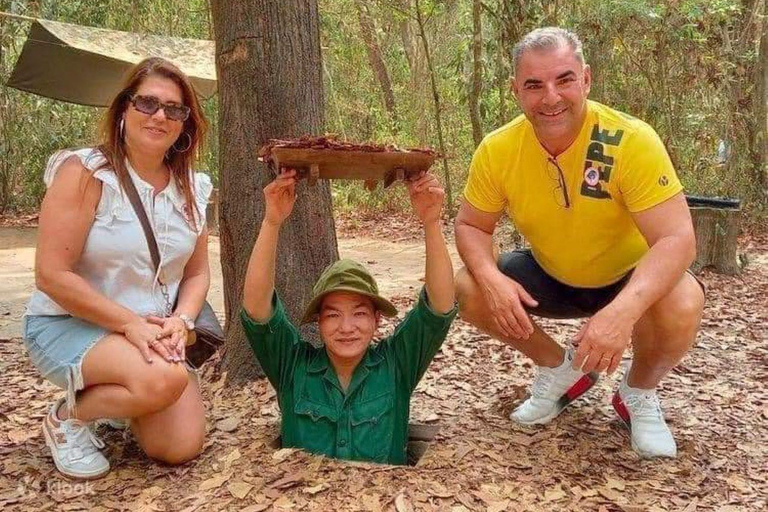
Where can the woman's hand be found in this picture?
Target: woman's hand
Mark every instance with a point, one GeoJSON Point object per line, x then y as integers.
{"type": "Point", "coordinates": [143, 335]}
{"type": "Point", "coordinates": [172, 339]}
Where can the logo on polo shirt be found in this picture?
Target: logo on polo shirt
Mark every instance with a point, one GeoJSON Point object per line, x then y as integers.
{"type": "Point", "coordinates": [599, 164]}
{"type": "Point", "coordinates": [592, 176]}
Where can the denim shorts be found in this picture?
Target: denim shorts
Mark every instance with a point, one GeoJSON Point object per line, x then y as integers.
{"type": "Point", "coordinates": [57, 345]}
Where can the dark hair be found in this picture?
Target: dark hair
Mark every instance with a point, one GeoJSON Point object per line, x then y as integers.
{"type": "Point", "coordinates": [112, 144]}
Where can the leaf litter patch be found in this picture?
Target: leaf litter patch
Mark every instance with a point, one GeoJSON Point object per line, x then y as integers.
{"type": "Point", "coordinates": [715, 402]}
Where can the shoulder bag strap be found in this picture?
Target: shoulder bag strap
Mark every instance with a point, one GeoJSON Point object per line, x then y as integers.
{"type": "Point", "coordinates": [141, 213]}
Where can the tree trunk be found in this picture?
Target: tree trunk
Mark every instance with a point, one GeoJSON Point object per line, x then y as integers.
{"type": "Point", "coordinates": [415, 102]}
{"type": "Point", "coordinates": [270, 86]}
{"type": "Point", "coordinates": [410, 46]}
{"type": "Point", "coordinates": [502, 82]}
{"type": "Point", "coordinates": [477, 72]}
{"type": "Point", "coordinates": [716, 230]}
{"type": "Point", "coordinates": [436, 98]}
{"type": "Point", "coordinates": [762, 103]}
{"type": "Point", "coordinates": [368, 31]}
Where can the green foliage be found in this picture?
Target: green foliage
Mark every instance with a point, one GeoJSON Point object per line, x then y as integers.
{"type": "Point", "coordinates": [686, 67]}
{"type": "Point", "coordinates": [32, 127]}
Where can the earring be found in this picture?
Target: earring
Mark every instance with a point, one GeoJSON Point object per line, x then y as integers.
{"type": "Point", "coordinates": [121, 127]}
{"type": "Point", "coordinates": [186, 148]}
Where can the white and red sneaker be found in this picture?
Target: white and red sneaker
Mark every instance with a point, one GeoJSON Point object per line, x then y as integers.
{"type": "Point", "coordinates": [552, 391]}
{"type": "Point", "coordinates": [74, 447]}
{"type": "Point", "coordinates": [640, 411]}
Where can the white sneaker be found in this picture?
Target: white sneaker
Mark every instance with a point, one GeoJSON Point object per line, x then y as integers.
{"type": "Point", "coordinates": [552, 391]}
{"type": "Point", "coordinates": [640, 410]}
{"type": "Point", "coordinates": [74, 447]}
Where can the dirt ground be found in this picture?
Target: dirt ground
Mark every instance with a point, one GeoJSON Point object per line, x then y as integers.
{"type": "Point", "coordinates": [398, 267]}
{"type": "Point", "coordinates": [715, 401]}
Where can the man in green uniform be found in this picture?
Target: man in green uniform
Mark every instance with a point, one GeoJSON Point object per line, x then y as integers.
{"type": "Point", "coordinates": [348, 399]}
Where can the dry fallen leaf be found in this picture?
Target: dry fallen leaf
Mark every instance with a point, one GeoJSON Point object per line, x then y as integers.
{"type": "Point", "coordinates": [314, 490]}
{"type": "Point", "coordinates": [498, 506]}
{"type": "Point", "coordinates": [402, 504]}
{"type": "Point", "coordinates": [256, 508]}
{"type": "Point", "coordinates": [283, 454]}
{"type": "Point", "coordinates": [609, 494]}
{"type": "Point", "coordinates": [371, 502]}
{"type": "Point", "coordinates": [439, 491]}
{"type": "Point", "coordinates": [228, 424]}
{"type": "Point", "coordinates": [239, 489]}
{"type": "Point", "coordinates": [22, 436]}
{"type": "Point", "coordinates": [214, 482]}
{"type": "Point", "coordinates": [283, 502]}
{"type": "Point", "coordinates": [692, 506]}
{"type": "Point", "coordinates": [233, 456]}
{"type": "Point", "coordinates": [554, 494]}
{"type": "Point", "coordinates": [615, 483]}
{"type": "Point", "coordinates": [151, 492]}
{"type": "Point", "coordinates": [289, 480]}
{"type": "Point", "coordinates": [738, 483]}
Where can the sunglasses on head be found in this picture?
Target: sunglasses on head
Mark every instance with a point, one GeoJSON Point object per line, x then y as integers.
{"type": "Point", "coordinates": [151, 104]}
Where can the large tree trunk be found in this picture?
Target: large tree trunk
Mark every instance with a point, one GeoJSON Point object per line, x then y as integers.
{"type": "Point", "coordinates": [477, 72]}
{"type": "Point", "coordinates": [368, 31]}
{"type": "Point", "coordinates": [270, 86]}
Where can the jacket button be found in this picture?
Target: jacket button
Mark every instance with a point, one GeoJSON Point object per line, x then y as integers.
{"type": "Point", "coordinates": [342, 442]}
{"type": "Point", "coordinates": [374, 420]}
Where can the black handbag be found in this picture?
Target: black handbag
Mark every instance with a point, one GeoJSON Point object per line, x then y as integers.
{"type": "Point", "coordinates": [208, 334]}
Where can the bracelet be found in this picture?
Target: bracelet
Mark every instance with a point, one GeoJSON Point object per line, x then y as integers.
{"type": "Point", "coordinates": [188, 321]}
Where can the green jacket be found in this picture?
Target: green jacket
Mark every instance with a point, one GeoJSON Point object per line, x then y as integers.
{"type": "Point", "coordinates": [370, 421]}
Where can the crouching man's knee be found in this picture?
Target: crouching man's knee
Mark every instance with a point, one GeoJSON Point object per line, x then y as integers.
{"type": "Point", "coordinates": [468, 296]}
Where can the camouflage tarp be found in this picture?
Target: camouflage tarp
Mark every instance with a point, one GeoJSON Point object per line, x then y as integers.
{"type": "Point", "coordinates": [86, 65]}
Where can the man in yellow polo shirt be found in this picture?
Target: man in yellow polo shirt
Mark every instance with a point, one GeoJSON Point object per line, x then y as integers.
{"type": "Point", "coordinates": [595, 194]}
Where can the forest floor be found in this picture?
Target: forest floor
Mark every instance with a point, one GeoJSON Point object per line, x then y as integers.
{"type": "Point", "coordinates": [715, 402]}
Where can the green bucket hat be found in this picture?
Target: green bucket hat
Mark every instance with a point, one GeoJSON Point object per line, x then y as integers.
{"type": "Point", "coordinates": [347, 276]}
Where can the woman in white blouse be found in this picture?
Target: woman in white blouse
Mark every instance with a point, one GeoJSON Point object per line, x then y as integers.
{"type": "Point", "coordinates": [103, 324]}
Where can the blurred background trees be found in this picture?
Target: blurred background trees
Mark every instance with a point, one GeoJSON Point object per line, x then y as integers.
{"type": "Point", "coordinates": [411, 72]}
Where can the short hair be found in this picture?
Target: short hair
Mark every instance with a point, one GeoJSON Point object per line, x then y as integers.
{"type": "Point", "coordinates": [546, 38]}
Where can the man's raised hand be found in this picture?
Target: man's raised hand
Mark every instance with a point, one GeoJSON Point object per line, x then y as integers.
{"type": "Point", "coordinates": [280, 196]}
{"type": "Point", "coordinates": [427, 197]}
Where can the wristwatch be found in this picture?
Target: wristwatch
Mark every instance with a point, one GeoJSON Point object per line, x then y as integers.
{"type": "Point", "coordinates": [187, 321]}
